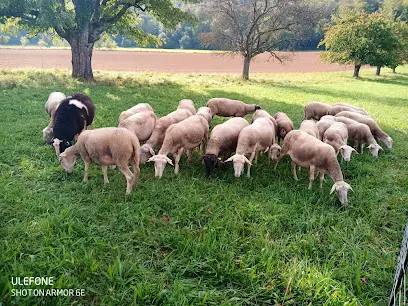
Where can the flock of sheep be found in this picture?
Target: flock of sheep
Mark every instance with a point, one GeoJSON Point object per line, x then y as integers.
{"type": "Point", "coordinates": [314, 146]}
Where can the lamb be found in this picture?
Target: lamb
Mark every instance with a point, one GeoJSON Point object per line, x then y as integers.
{"type": "Point", "coordinates": [72, 117]}
{"type": "Point", "coordinates": [141, 124]}
{"type": "Point", "coordinates": [185, 135]}
{"type": "Point", "coordinates": [336, 136]}
{"type": "Point", "coordinates": [310, 127]}
{"type": "Point", "coordinates": [206, 113]}
{"type": "Point", "coordinates": [375, 129]}
{"type": "Point", "coordinates": [256, 137]}
{"type": "Point", "coordinates": [361, 134]}
{"type": "Point", "coordinates": [351, 106]}
{"type": "Point", "coordinates": [159, 132]}
{"type": "Point", "coordinates": [106, 146]}
{"type": "Point", "coordinates": [54, 99]}
{"type": "Point", "coordinates": [324, 123]}
{"type": "Point", "coordinates": [335, 109]}
{"type": "Point", "coordinates": [187, 104]}
{"type": "Point", "coordinates": [223, 141]}
{"type": "Point", "coordinates": [227, 108]}
{"type": "Point", "coordinates": [135, 109]}
{"type": "Point", "coordinates": [315, 155]}
{"type": "Point", "coordinates": [315, 110]}
{"type": "Point", "coordinates": [285, 125]}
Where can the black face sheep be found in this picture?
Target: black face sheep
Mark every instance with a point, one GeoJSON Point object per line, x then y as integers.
{"type": "Point", "coordinates": [72, 116]}
{"type": "Point", "coordinates": [230, 108]}
{"type": "Point", "coordinates": [223, 141]}
{"type": "Point", "coordinates": [54, 99]}
{"type": "Point", "coordinates": [106, 146]}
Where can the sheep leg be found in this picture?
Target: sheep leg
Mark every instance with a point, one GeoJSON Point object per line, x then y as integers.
{"type": "Point", "coordinates": [129, 177]}
{"type": "Point", "coordinates": [249, 165]}
{"type": "Point", "coordinates": [256, 157]}
{"type": "Point", "coordinates": [177, 159]}
{"type": "Point", "coordinates": [355, 144]}
{"type": "Point", "coordinates": [362, 148]}
{"type": "Point", "coordinates": [87, 163]}
{"type": "Point", "coordinates": [294, 171]}
{"type": "Point", "coordinates": [136, 173]}
{"type": "Point", "coordinates": [321, 179]}
{"type": "Point", "coordinates": [189, 155]}
{"type": "Point", "coordinates": [311, 176]}
{"type": "Point", "coordinates": [269, 156]}
{"type": "Point", "coordinates": [105, 174]}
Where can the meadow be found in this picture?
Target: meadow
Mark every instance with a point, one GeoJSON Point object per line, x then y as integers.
{"type": "Point", "coordinates": [189, 240]}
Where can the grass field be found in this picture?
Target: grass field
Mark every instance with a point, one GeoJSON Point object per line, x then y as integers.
{"type": "Point", "coordinates": [188, 240]}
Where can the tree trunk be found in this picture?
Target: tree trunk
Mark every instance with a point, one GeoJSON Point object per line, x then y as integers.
{"type": "Point", "coordinates": [81, 51]}
{"type": "Point", "coordinates": [356, 71]}
{"type": "Point", "coordinates": [245, 72]}
{"type": "Point", "coordinates": [378, 72]}
{"type": "Point", "coordinates": [393, 69]}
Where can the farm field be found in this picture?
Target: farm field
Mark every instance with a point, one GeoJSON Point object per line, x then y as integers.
{"type": "Point", "coordinates": [189, 240]}
{"type": "Point", "coordinates": [185, 61]}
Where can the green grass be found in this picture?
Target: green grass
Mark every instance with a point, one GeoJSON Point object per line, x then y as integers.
{"type": "Point", "coordinates": [188, 240]}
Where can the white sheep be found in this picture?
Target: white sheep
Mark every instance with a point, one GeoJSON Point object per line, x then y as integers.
{"type": "Point", "coordinates": [259, 136]}
{"type": "Point", "coordinates": [310, 127]}
{"type": "Point", "coordinates": [263, 113]}
{"type": "Point", "coordinates": [227, 108]}
{"type": "Point", "coordinates": [285, 125]}
{"type": "Point", "coordinates": [54, 99]}
{"type": "Point", "coordinates": [315, 155]}
{"type": "Point", "coordinates": [351, 106]}
{"type": "Point", "coordinates": [206, 113]}
{"type": "Point", "coordinates": [159, 131]}
{"type": "Point", "coordinates": [336, 136]}
{"type": "Point", "coordinates": [324, 123]}
{"type": "Point", "coordinates": [183, 136]}
{"type": "Point", "coordinates": [106, 146]}
{"type": "Point", "coordinates": [223, 142]}
{"type": "Point", "coordinates": [141, 124]}
{"type": "Point", "coordinates": [375, 129]}
{"type": "Point", "coordinates": [315, 110]}
{"type": "Point", "coordinates": [335, 109]}
{"type": "Point", "coordinates": [361, 135]}
{"type": "Point", "coordinates": [135, 109]}
{"type": "Point", "coordinates": [187, 104]}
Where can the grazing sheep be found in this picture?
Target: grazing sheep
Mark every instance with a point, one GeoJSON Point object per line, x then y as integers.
{"type": "Point", "coordinates": [324, 123]}
{"type": "Point", "coordinates": [159, 131]}
{"type": "Point", "coordinates": [285, 125]}
{"type": "Point", "coordinates": [315, 110]}
{"type": "Point", "coordinates": [135, 109]}
{"type": "Point", "coordinates": [254, 138]}
{"type": "Point", "coordinates": [141, 124]}
{"type": "Point", "coordinates": [187, 104]}
{"type": "Point", "coordinates": [223, 141]}
{"type": "Point", "coordinates": [361, 134]}
{"type": "Point", "coordinates": [226, 107]}
{"type": "Point", "coordinates": [336, 136]}
{"type": "Point", "coordinates": [206, 113]}
{"type": "Point", "coordinates": [185, 135]}
{"type": "Point", "coordinates": [72, 117]}
{"type": "Point", "coordinates": [335, 109]}
{"type": "Point", "coordinates": [106, 146]}
{"type": "Point", "coordinates": [315, 155]}
{"type": "Point", "coordinates": [351, 106]}
{"type": "Point", "coordinates": [263, 113]}
{"type": "Point", "coordinates": [375, 129]}
{"type": "Point", "coordinates": [310, 127]}
{"type": "Point", "coordinates": [54, 99]}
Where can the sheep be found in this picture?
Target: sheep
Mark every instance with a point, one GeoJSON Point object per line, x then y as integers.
{"type": "Point", "coordinates": [315, 110]}
{"type": "Point", "coordinates": [335, 109]}
{"type": "Point", "coordinates": [223, 141]}
{"type": "Point", "coordinates": [375, 129]}
{"type": "Point", "coordinates": [135, 109]}
{"type": "Point", "coordinates": [72, 117]}
{"type": "Point", "coordinates": [256, 137]}
{"type": "Point", "coordinates": [285, 125]}
{"type": "Point", "coordinates": [315, 155]}
{"type": "Point", "coordinates": [185, 135]}
{"type": "Point", "coordinates": [351, 106]}
{"type": "Point", "coordinates": [361, 134]}
{"type": "Point", "coordinates": [336, 136]}
{"type": "Point", "coordinates": [159, 131]}
{"type": "Point", "coordinates": [263, 113]}
{"type": "Point", "coordinates": [324, 123]}
{"type": "Point", "coordinates": [187, 104]}
{"type": "Point", "coordinates": [141, 124]}
{"type": "Point", "coordinates": [206, 113]}
{"type": "Point", "coordinates": [310, 127]}
{"type": "Point", "coordinates": [227, 108]}
{"type": "Point", "coordinates": [54, 99]}
{"type": "Point", "coordinates": [106, 146]}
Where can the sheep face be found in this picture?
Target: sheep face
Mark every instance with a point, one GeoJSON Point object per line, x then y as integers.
{"type": "Point", "coordinates": [346, 151]}
{"type": "Point", "coordinates": [341, 189]}
{"type": "Point", "coordinates": [282, 133]}
{"type": "Point", "coordinates": [210, 161]}
{"type": "Point", "coordinates": [388, 142]}
{"type": "Point", "coordinates": [239, 163]}
{"type": "Point", "coordinates": [146, 151]}
{"type": "Point", "coordinates": [275, 151]}
{"type": "Point", "coordinates": [374, 148]}
{"type": "Point", "coordinates": [48, 134]}
{"type": "Point", "coordinates": [67, 161]}
{"type": "Point", "coordinates": [160, 162]}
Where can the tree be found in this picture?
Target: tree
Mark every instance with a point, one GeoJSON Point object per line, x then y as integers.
{"type": "Point", "coordinates": [82, 22]}
{"type": "Point", "coordinates": [358, 38]}
{"type": "Point", "coordinates": [252, 27]}
{"type": "Point", "coordinates": [24, 41]}
{"type": "Point", "coordinates": [4, 39]}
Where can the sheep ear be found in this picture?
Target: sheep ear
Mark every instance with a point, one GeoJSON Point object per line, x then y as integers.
{"type": "Point", "coordinates": [151, 151]}
{"type": "Point", "coordinates": [354, 150]}
{"type": "Point", "coordinates": [151, 159]}
{"type": "Point", "coordinates": [219, 158]}
{"type": "Point", "coordinates": [169, 161]}
{"type": "Point", "coordinates": [267, 149]}
{"type": "Point", "coordinates": [229, 159]}
{"type": "Point", "coordinates": [379, 147]}
{"type": "Point", "coordinates": [333, 189]}
{"type": "Point", "coordinates": [247, 161]}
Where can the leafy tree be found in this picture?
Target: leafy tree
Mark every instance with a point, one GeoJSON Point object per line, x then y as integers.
{"type": "Point", "coordinates": [4, 39]}
{"type": "Point", "coordinates": [252, 27]}
{"type": "Point", "coordinates": [82, 22]}
{"type": "Point", "coordinates": [24, 41]}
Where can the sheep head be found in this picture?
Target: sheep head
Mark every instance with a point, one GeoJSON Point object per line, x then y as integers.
{"type": "Point", "coordinates": [210, 161]}
{"type": "Point", "coordinates": [374, 148]}
{"type": "Point", "coordinates": [146, 151]}
{"type": "Point", "coordinates": [67, 161]}
{"type": "Point", "coordinates": [275, 151]}
{"type": "Point", "coordinates": [341, 188]}
{"type": "Point", "coordinates": [346, 151]}
{"type": "Point", "coordinates": [388, 142]}
{"type": "Point", "coordinates": [160, 162]}
{"type": "Point", "coordinates": [239, 161]}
